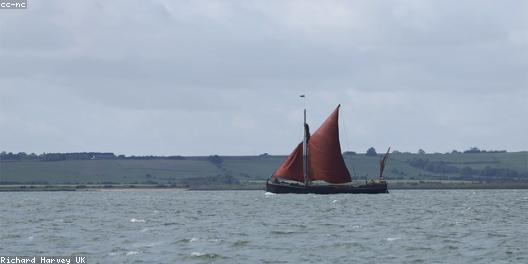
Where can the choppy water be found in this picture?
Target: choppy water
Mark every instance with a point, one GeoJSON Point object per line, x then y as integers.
{"type": "Point", "coordinates": [456, 226]}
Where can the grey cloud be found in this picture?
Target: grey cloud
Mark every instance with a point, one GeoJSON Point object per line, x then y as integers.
{"type": "Point", "coordinates": [201, 77]}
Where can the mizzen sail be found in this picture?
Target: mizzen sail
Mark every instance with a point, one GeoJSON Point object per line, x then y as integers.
{"type": "Point", "coordinates": [326, 161]}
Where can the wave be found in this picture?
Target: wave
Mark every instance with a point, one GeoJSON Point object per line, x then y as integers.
{"type": "Point", "coordinates": [283, 232]}
{"type": "Point", "coordinates": [201, 255]}
{"type": "Point", "coordinates": [186, 240]}
{"type": "Point", "coordinates": [240, 243]}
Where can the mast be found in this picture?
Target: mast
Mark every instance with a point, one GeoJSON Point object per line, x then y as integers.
{"type": "Point", "coordinates": [295, 167]}
{"type": "Point", "coordinates": [305, 151]}
{"type": "Point", "coordinates": [306, 137]}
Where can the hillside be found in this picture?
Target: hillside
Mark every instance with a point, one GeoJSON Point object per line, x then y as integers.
{"type": "Point", "coordinates": [244, 170]}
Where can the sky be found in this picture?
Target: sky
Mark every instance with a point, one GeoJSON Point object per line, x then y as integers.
{"type": "Point", "coordinates": [154, 77]}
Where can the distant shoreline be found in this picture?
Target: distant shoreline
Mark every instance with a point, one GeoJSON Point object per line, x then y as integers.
{"type": "Point", "coordinates": [393, 185]}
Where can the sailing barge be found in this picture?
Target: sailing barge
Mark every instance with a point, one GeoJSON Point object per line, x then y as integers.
{"type": "Point", "coordinates": [318, 159]}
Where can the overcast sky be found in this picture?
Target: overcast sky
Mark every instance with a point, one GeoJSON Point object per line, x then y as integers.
{"type": "Point", "coordinates": [223, 77]}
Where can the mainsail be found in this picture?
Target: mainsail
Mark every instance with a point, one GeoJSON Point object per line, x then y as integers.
{"type": "Point", "coordinates": [326, 161]}
{"type": "Point", "coordinates": [292, 168]}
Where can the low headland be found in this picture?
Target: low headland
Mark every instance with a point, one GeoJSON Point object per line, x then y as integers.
{"type": "Point", "coordinates": [89, 171]}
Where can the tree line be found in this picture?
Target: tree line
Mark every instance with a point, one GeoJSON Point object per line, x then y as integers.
{"type": "Point", "coordinates": [22, 156]}
{"type": "Point", "coordinates": [442, 167]}
{"type": "Point", "coordinates": [372, 151]}
{"type": "Point", "coordinates": [215, 159]}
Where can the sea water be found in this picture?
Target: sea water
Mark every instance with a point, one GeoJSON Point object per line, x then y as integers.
{"type": "Point", "coordinates": [441, 226]}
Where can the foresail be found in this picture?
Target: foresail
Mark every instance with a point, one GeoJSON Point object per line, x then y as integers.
{"type": "Point", "coordinates": [292, 168]}
{"type": "Point", "coordinates": [325, 158]}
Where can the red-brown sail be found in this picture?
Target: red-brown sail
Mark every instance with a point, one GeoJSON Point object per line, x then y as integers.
{"type": "Point", "coordinates": [326, 161]}
{"type": "Point", "coordinates": [382, 163]}
{"type": "Point", "coordinates": [292, 168]}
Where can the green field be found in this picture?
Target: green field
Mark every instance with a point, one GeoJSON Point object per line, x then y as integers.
{"type": "Point", "coordinates": [248, 170]}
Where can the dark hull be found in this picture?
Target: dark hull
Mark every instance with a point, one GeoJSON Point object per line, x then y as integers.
{"type": "Point", "coordinates": [280, 187]}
